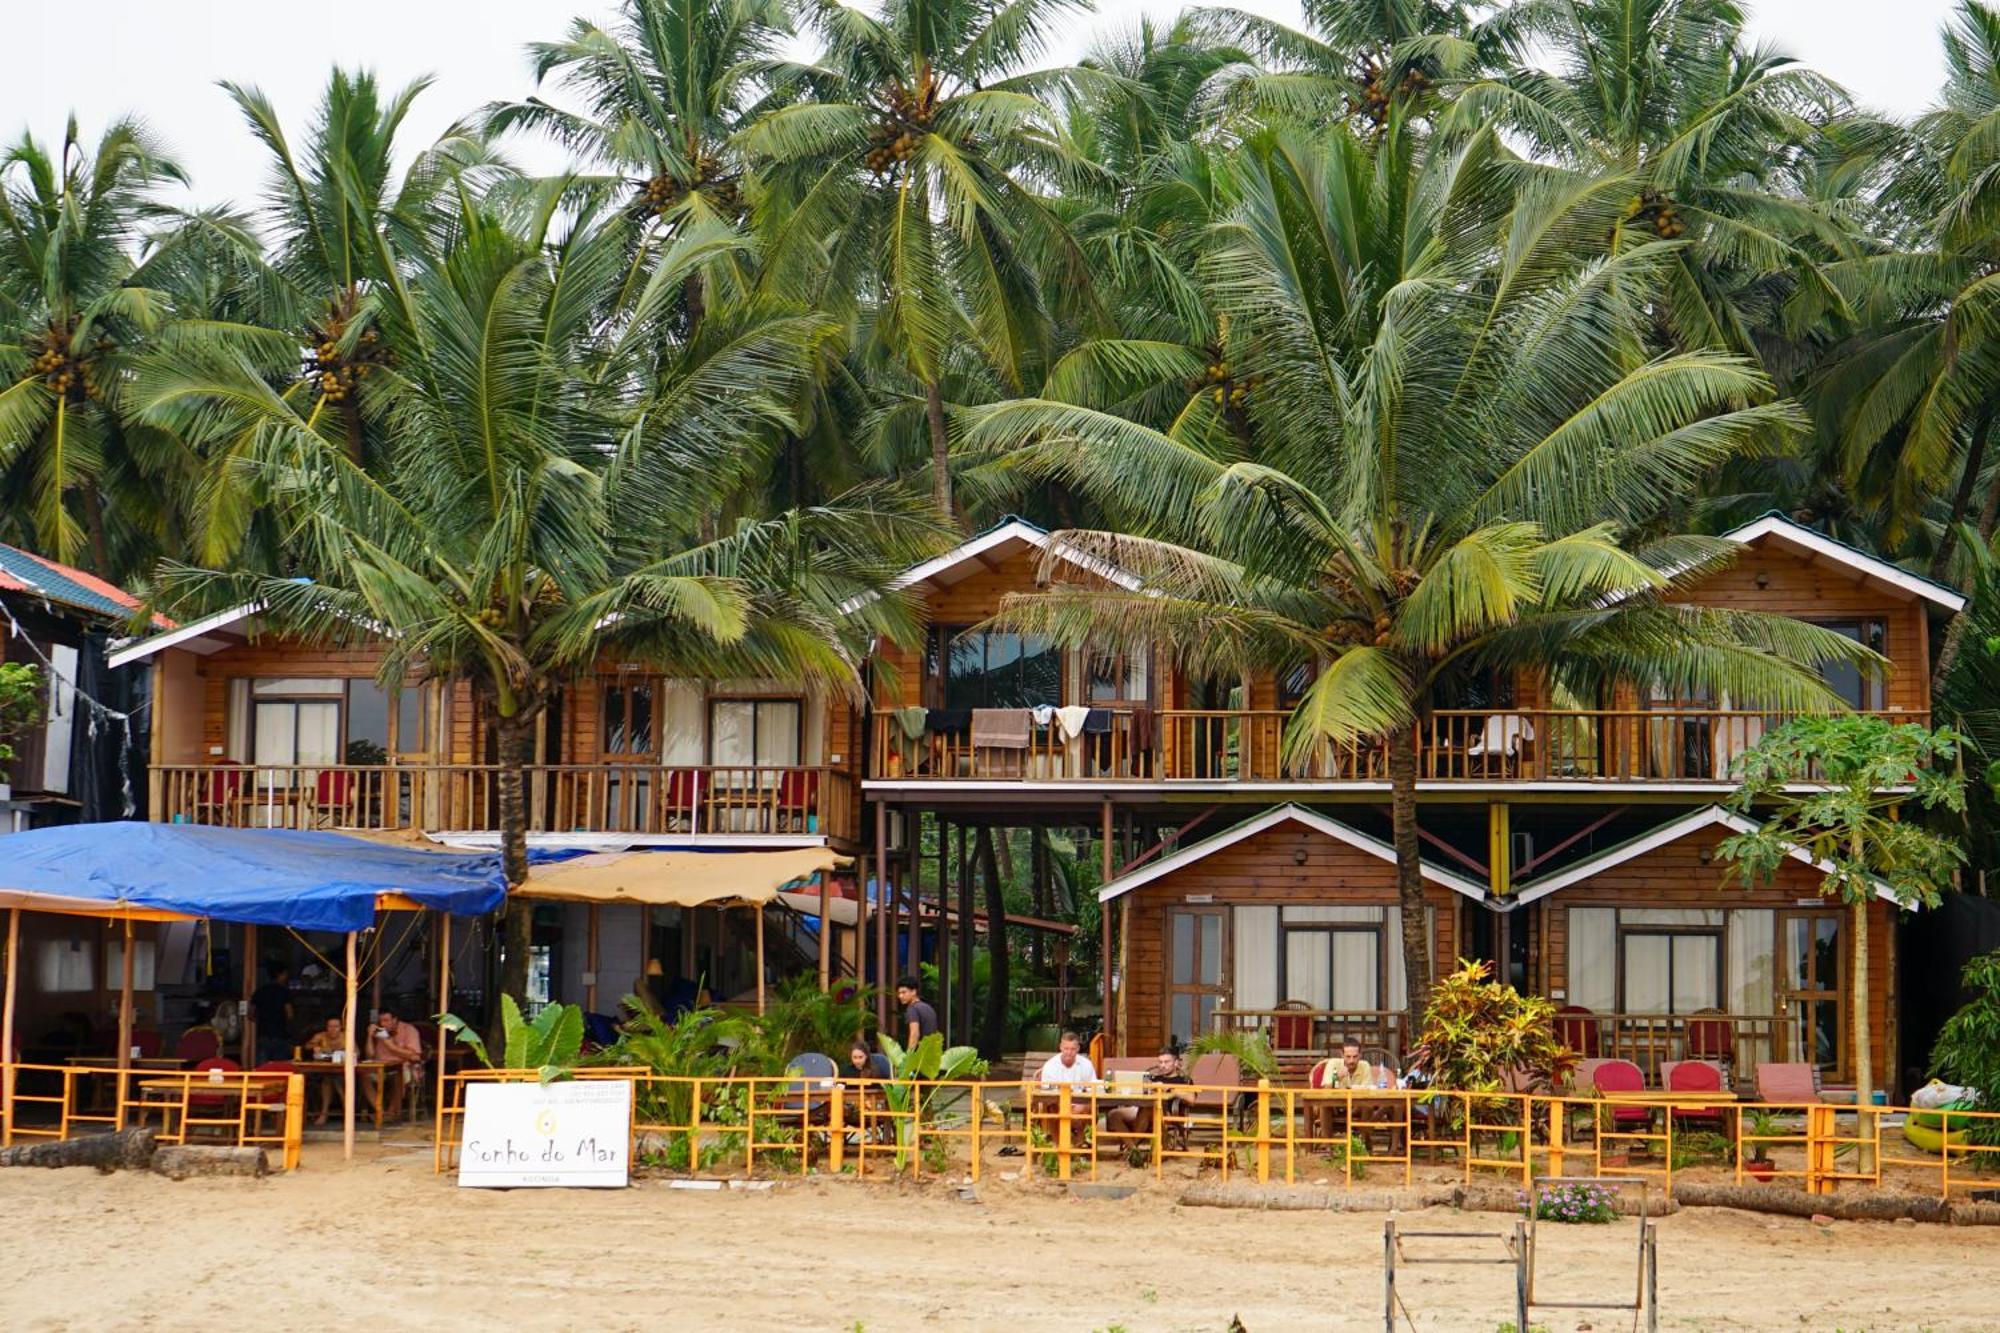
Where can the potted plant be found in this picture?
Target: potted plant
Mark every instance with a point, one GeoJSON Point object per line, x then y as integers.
{"type": "Point", "coordinates": [1763, 1126]}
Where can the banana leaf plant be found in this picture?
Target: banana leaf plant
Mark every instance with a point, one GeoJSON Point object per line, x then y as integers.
{"type": "Point", "coordinates": [906, 1094]}
{"type": "Point", "coordinates": [551, 1044]}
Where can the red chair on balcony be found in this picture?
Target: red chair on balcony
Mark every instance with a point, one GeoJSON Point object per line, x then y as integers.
{"type": "Point", "coordinates": [331, 791]}
{"type": "Point", "coordinates": [1695, 1076]}
{"type": "Point", "coordinates": [798, 800]}
{"type": "Point", "coordinates": [680, 796]}
{"type": "Point", "coordinates": [218, 797]}
{"type": "Point", "coordinates": [1292, 1026]}
{"type": "Point", "coordinates": [1576, 1028]}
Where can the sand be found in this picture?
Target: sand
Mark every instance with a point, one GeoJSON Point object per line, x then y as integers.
{"type": "Point", "coordinates": [383, 1244]}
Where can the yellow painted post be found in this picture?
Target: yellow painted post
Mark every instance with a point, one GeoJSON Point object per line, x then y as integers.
{"type": "Point", "coordinates": [973, 1091]}
{"type": "Point", "coordinates": [295, 1118]}
{"type": "Point", "coordinates": [1263, 1131]}
{"type": "Point", "coordinates": [1558, 1125]}
{"type": "Point", "coordinates": [1819, 1149]}
{"type": "Point", "coordinates": [1291, 1136]}
{"type": "Point", "coordinates": [1527, 1142]}
{"type": "Point", "coordinates": [1159, 1136]}
{"type": "Point", "coordinates": [694, 1131]}
{"type": "Point", "coordinates": [836, 1129]}
{"type": "Point", "coordinates": [1062, 1128]}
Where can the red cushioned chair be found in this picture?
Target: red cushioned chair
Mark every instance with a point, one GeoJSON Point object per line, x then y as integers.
{"type": "Point", "coordinates": [798, 796]}
{"type": "Point", "coordinates": [1292, 1027]}
{"type": "Point", "coordinates": [1623, 1076]}
{"type": "Point", "coordinates": [1576, 1028]}
{"type": "Point", "coordinates": [1695, 1076]}
{"type": "Point", "coordinates": [682, 796]}
{"type": "Point", "coordinates": [208, 1102]}
{"type": "Point", "coordinates": [198, 1044]}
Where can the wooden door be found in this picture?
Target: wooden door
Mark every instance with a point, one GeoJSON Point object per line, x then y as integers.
{"type": "Point", "coordinates": [1197, 969]}
{"type": "Point", "coordinates": [629, 744]}
{"type": "Point", "coordinates": [1812, 986]}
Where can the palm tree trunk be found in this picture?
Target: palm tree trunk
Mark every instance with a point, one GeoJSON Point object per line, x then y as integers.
{"type": "Point", "coordinates": [1409, 874]}
{"type": "Point", "coordinates": [350, 419]}
{"type": "Point", "coordinates": [93, 520]}
{"type": "Point", "coordinates": [1975, 458]}
{"type": "Point", "coordinates": [1954, 635]}
{"type": "Point", "coordinates": [993, 1030]}
{"type": "Point", "coordinates": [940, 448]}
{"type": "Point", "coordinates": [515, 737]}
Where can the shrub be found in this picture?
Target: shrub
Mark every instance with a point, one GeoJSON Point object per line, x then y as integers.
{"type": "Point", "coordinates": [1476, 1030]}
{"type": "Point", "coordinates": [1967, 1050]}
{"type": "Point", "coordinates": [1572, 1202]}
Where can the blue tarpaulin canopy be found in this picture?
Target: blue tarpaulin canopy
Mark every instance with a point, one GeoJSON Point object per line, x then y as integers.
{"type": "Point", "coordinates": [266, 877]}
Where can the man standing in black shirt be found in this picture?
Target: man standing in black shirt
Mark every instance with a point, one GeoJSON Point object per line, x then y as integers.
{"type": "Point", "coordinates": [272, 1004]}
{"type": "Point", "coordinates": [919, 1019]}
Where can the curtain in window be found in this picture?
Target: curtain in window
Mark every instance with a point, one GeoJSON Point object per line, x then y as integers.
{"type": "Point", "coordinates": [1753, 949]}
{"type": "Point", "coordinates": [1256, 973]}
{"type": "Point", "coordinates": [1593, 962]}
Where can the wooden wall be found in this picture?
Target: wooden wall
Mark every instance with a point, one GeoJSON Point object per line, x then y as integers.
{"type": "Point", "coordinates": [1262, 869]}
{"type": "Point", "coordinates": [1675, 875]}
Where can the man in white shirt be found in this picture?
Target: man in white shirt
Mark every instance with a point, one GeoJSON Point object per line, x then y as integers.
{"type": "Point", "coordinates": [1068, 1065]}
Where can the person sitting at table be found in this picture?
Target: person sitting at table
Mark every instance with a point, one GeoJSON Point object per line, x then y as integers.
{"type": "Point", "coordinates": [1349, 1070]}
{"type": "Point", "coordinates": [1069, 1067]}
{"type": "Point", "coordinates": [323, 1045]}
{"type": "Point", "coordinates": [1137, 1117]}
{"type": "Point", "coordinates": [401, 1047]}
{"type": "Point", "coordinates": [860, 1061]}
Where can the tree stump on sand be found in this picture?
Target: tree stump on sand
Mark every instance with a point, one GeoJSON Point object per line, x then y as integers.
{"type": "Point", "coordinates": [1507, 1199]}
{"type": "Point", "coordinates": [1792, 1202]}
{"type": "Point", "coordinates": [126, 1149]}
{"type": "Point", "coordinates": [178, 1162]}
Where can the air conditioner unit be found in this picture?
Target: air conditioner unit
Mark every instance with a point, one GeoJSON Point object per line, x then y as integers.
{"type": "Point", "coordinates": [1524, 848]}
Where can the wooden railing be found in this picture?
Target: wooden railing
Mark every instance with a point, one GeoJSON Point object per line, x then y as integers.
{"type": "Point", "coordinates": [1454, 745]}
{"type": "Point", "coordinates": [561, 798]}
{"type": "Point", "coordinates": [1319, 1032]}
{"type": "Point", "coordinates": [1737, 1042]}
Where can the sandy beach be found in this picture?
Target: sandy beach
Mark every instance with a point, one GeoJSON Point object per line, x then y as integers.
{"type": "Point", "coordinates": [384, 1244]}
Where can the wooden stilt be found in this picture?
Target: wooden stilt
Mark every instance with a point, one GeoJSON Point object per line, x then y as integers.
{"type": "Point", "coordinates": [825, 934]}
{"type": "Point", "coordinates": [1104, 917]}
{"type": "Point", "coordinates": [7, 1029]}
{"type": "Point", "coordinates": [590, 961]}
{"type": "Point", "coordinates": [884, 922]}
{"type": "Point", "coordinates": [758, 909]}
{"type": "Point", "coordinates": [251, 1036]}
{"type": "Point", "coordinates": [443, 1007]}
{"type": "Point", "coordinates": [124, 1022]}
{"type": "Point", "coordinates": [348, 1057]}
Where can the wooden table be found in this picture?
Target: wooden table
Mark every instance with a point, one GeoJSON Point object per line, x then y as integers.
{"type": "Point", "coordinates": [143, 1062]}
{"type": "Point", "coordinates": [362, 1068]}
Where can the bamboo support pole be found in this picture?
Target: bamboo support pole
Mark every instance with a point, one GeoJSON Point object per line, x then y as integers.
{"type": "Point", "coordinates": [1104, 919]}
{"type": "Point", "coordinates": [825, 934]}
{"type": "Point", "coordinates": [590, 953]}
{"type": "Point", "coordinates": [351, 982]}
{"type": "Point", "coordinates": [7, 1029]}
{"type": "Point", "coordinates": [124, 1023]}
{"type": "Point", "coordinates": [758, 909]}
{"type": "Point", "coordinates": [251, 1036]}
{"type": "Point", "coordinates": [884, 917]}
{"type": "Point", "coordinates": [443, 1007]}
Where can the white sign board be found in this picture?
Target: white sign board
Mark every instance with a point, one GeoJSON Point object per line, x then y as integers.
{"type": "Point", "coordinates": [527, 1134]}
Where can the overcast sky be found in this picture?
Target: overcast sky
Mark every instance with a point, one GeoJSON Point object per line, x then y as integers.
{"type": "Point", "coordinates": [161, 60]}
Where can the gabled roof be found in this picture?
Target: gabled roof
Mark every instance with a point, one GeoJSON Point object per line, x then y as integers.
{"type": "Point", "coordinates": [1802, 540]}
{"type": "Point", "coordinates": [199, 636]}
{"type": "Point", "coordinates": [1005, 538]}
{"type": "Point", "coordinates": [1276, 815]}
{"type": "Point", "coordinates": [66, 586]}
{"type": "Point", "coordinates": [1652, 840]}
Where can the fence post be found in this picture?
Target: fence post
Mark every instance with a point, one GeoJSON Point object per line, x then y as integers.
{"type": "Point", "coordinates": [978, 1120]}
{"type": "Point", "coordinates": [1558, 1126]}
{"type": "Point", "coordinates": [1523, 1265]}
{"type": "Point", "coordinates": [836, 1129]}
{"type": "Point", "coordinates": [1389, 1275]}
{"type": "Point", "coordinates": [1062, 1132]}
{"type": "Point", "coordinates": [1819, 1150]}
{"type": "Point", "coordinates": [1263, 1131]}
{"type": "Point", "coordinates": [295, 1118]}
{"type": "Point", "coordinates": [694, 1129]}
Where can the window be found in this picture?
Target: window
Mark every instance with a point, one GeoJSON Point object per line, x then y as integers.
{"type": "Point", "coordinates": [1295, 684]}
{"type": "Point", "coordinates": [760, 733]}
{"type": "Point", "coordinates": [1337, 968]}
{"type": "Point", "coordinates": [992, 670]}
{"type": "Point", "coordinates": [1110, 677]}
{"type": "Point", "coordinates": [629, 713]}
{"type": "Point", "coordinates": [1670, 972]}
{"type": "Point", "coordinates": [296, 721]}
{"type": "Point", "coordinates": [1860, 689]}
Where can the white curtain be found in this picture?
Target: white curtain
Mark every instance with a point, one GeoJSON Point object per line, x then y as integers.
{"type": "Point", "coordinates": [237, 748]}
{"type": "Point", "coordinates": [681, 722]}
{"type": "Point", "coordinates": [1356, 962]}
{"type": "Point", "coordinates": [1593, 960]}
{"type": "Point", "coordinates": [1648, 976]}
{"type": "Point", "coordinates": [1753, 949]}
{"type": "Point", "coordinates": [1308, 973]}
{"type": "Point", "coordinates": [1256, 982]}
{"type": "Point", "coordinates": [63, 966]}
{"type": "Point", "coordinates": [143, 969]}
{"type": "Point", "coordinates": [1669, 916]}
{"type": "Point", "coordinates": [1396, 995]}
{"type": "Point", "coordinates": [1302, 915]}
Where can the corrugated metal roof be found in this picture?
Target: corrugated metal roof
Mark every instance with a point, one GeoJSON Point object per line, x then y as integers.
{"type": "Point", "coordinates": [62, 585]}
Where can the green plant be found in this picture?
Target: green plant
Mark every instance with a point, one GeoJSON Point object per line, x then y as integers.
{"type": "Point", "coordinates": [1574, 1201]}
{"type": "Point", "coordinates": [1254, 1057]}
{"type": "Point", "coordinates": [907, 1092]}
{"type": "Point", "coordinates": [1967, 1049]}
{"type": "Point", "coordinates": [1702, 1147]}
{"type": "Point", "coordinates": [1478, 1032]}
{"type": "Point", "coordinates": [799, 1017]}
{"type": "Point", "coordinates": [21, 696]}
{"type": "Point", "coordinates": [550, 1044]}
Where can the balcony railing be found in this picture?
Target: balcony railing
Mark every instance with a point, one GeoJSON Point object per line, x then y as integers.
{"type": "Point", "coordinates": [1454, 745]}
{"type": "Point", "coordinates": [561, 798]}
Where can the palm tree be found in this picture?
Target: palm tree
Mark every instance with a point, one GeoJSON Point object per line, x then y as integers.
{"type": "Point", "coordinates": [74, 310]}
{"type": "Point", "coordinates": [1456, 436]}
{"type": "Point", "coordinates": [912, 181]}
{"type": "Point", "coordinates": [538, 496]}
{"type": "Point", "coordinates": [663, 91]}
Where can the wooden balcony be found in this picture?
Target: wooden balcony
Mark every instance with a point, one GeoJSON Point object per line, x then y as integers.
{"type": "Point", "coordinates": [1455, 745]}
{"type": "Point", "coordinates": [644, 799]}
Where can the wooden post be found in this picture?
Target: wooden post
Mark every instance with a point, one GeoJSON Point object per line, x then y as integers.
{"type": "Point", "coordinates": [444, 1007]}
{"type": "Point", "coordinates": [7, 1029]}
{"type": "Point", "coordinates": [883, 904]}
{"type": "Point", "coordinates": [758, 908]}
{"type": "Point", "coordinates": [124, 1021]}
{"type": "Point", "coordinates": [1104, 917]}
{"type": "Point", "coordinates": [249, 1024]}
{"type": "Point", "coordinates": [351, 981]}
{"type": "Point", "coordinates": [967, 1022]}
{"type": "Point", "coordinates": [590, 959]}
{"type": "Point", "coordinates": [825, 934]}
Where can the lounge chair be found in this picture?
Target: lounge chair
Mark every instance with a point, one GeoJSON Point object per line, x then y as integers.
{"type": "Point", "coordinates": [1215, 1077]}
{"type": "Point", "coordinates": [1789, 1083]}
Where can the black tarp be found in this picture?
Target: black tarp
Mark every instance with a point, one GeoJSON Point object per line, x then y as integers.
{"type": "Point", "coordinates": [1936, 946]}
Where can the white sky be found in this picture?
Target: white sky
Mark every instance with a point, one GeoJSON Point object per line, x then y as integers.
{"type": "Point", "coordinates": [161, 60]}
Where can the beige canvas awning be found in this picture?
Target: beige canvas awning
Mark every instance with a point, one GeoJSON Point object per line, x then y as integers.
{"type": "Point", "coordinates": [678, 879]}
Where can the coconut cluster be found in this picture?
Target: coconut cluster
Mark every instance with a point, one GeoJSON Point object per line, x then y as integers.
{"type": "Point", "coordinates": [1376, 90]}
{"type": "Point", "coordinates": [662, 192]}
{"type": "Point", "coordinates": [338, 374]}
{"type": "Point", "coordinates": [1224, 388]}
{"type": "Point", "coordinates": [905, 121]}
{"type": "Point", "coordinates": [56, 362]}
{"type": "Point", "coordinates": [1652, 208]}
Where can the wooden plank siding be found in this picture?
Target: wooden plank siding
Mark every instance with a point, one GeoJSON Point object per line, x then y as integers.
{"type": "Point", "coordinates": [1260, 870]}
{"type": "Point", "coordinates": [1677, 875]}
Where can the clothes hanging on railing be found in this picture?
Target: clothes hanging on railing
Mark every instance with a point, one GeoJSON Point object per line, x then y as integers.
{"type": "Point", "coordinates": [1142, 728]}
{"type": "Point", "coordinates": [1000, 728]}
{"type": "Point", "coordinates": [1044, 714]}
{"type": "Point", "coordinates": [907, 734]}
{"type": "Point", "coordinates": [1072, 720]}
{"type": "Point", "coordinates": [947, 721]}
{"type": "Point", "coordinates": [1097, 722]}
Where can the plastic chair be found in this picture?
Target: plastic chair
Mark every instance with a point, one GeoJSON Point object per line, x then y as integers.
{"type": "Point", "coordinates": [1695, 1076]}
{"type": "Point", "coordinates": [817, 1073]}
{"type": "Point", "coordinates": [1576, 1028]}
{"type": "Point", "coordinates": [198, 1045]}
{"type": "Point", "coordinates": [209, 1101]}
{"type": "Point", "coordinates": [1623, 1076]}
{"type": "Point", "coordinates": [681, 797]}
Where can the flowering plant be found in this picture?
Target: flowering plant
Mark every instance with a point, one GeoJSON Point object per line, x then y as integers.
{"type": "Point", "coordinates": [1572, 1202]}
